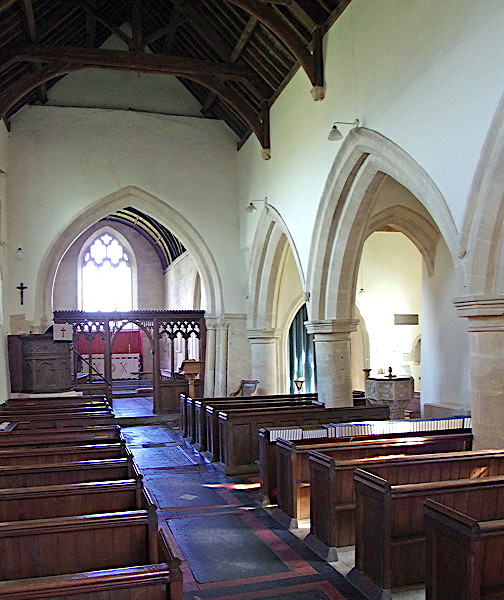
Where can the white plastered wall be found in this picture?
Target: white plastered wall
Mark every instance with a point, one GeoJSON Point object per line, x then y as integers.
{"type": "Point", "coordinates": [66, 159]}
{"type": "Point", "coordinates": [3, 260]}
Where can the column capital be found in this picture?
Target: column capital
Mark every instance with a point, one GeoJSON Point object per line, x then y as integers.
{"type": "Point", "coordinates": [332, 327]}
{"type": "Point", "coordinates": [263, 335]}
{"type": "Point", "coordinates": [485, 313]}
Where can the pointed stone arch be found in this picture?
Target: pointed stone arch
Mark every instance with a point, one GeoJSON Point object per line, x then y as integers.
{"type": "Point", "coordinates": [155, 208]}
{"type": "Point", "coordinates": [270, 243]}
{"type": "Point", "coordinates": [345, 218]}
{"type": "Point", "coordinates": [482, 237]}
{"type": "Point", "coordinates": [271, 246]}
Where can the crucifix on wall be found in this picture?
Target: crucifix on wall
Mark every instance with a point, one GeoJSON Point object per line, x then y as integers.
{"type": "Point", "coordinates": [21, 287]}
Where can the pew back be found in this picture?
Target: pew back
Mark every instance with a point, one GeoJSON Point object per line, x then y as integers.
{"type": "Point", "coordinates": [54, 454]}
{"type": "Point", "coordinates": [43, 438]}
{"type": "Point", "coordinates": [238, 429]}
{"type": "Point", "coordinates": [293, 464]}
{"type": "Point", "coordinates": [107, 469]}
{"type": "Point", "coordinates": [474, 541]}
{"type": "Point", "coordinates": [44, 502]}
{"type": "Point", "coordinates": [63, 545]}
{"type": "Point", "coordinates": [390, 533]}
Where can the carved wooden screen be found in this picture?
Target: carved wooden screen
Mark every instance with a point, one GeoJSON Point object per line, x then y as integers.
{"type": "Point", "coordinates": [173, 335]}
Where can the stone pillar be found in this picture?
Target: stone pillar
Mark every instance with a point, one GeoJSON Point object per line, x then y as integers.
{"type": "Point", "coordinates": [221, 359]}
{"type": "Point", "coordinates": [333, 358]}
{"type": "Point", "coordinates": [211, 327]}
{"type": "Point", "coordinates": [264, 357]}
{"type": "Point", "coordinates": [486, 330]}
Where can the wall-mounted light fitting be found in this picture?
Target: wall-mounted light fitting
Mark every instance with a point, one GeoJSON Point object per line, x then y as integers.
{"type": "Point", "coordinates": [335, 134]}
{"type": "Point", "coordinates": [19, 253]}
{"type": "Point", "coordinates": [252, 208]}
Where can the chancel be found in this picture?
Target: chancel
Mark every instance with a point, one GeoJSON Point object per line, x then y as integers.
{"type": "Point", "coordinates": [181, 243]}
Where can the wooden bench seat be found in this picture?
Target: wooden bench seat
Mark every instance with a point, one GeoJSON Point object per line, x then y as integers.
{"type": "Point", "coordinates": [106, 469]}
{"type": "Point", "coordinates": [58, 420]}
{"type": "Point", "coordinates": [150, 582]}
{"type": "Point", "coordinates": [50, 549]}
{"type": "Point", "coordinates": [473, 538]}
{"type": "Point", "coordinates": [390, 533]}
{"type": "Point", "coordinates": [293, 466]}
{"type": "Point", "coordinates": [61, 402]}
{"type": "Point", "coordinates": [207, 425]}
{"type": "Point", "coordinates": [377, 428]}
{"type": "Point", "coordinates": [72, 499]}
{"type": "Point", "coordinates": [332, 498]}
{"type": "Point", "coordinates": [189, 406]}
{"type": "Point", "coordinates": [52, 454]}
{"type": "Point", "coordinates": [42, 438]}
{"type": "Point", "coordinates": [238, 429]}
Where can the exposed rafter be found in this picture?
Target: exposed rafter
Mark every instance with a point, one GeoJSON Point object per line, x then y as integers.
{"type": "Point", "coordinates": [308, 60]}
{"type": "Point", "coordinates": [234, 56]}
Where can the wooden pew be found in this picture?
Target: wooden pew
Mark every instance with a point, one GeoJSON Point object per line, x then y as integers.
{"type": "Point", "coordinates": [150, 582]}
{"type": "Point", "coordinates": [106, 469]}
{"type": "Point", "coordinates": [207, 426]}
{"type": "Point", "coordinates": [332, 496]}
{"type": "Point", "coordinates": [72, 499]}
{"type": "Point", "coordinates": [70, 453]}
{"type": "Point", "coordinates": [293, 466]}
{"type": "Point", "coordinates": [58, 420]}
{"type": "Point", "coordinates": [344, 432]}
{"type": "Point", "coordinates": [206, 416]}
{"type": "Point", "coordinates": [57, 402]}
{"type": "Point", "coordinates": [473, 539]}
{"type": "Point", "coordinates": [390, 533]}
{"type": "Point", "coordinates": [35, 410]}
{"type": "Point", "coordinates": [238, 429]}
{"type": "Point", "coordinates": [55, 555]}
{"type": "Point", "coordinates": [188, 407]}
{"type": "Point", "coordinates": [68, 435]}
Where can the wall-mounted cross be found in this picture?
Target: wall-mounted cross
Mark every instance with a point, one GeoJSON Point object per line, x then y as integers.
{"type": "Point", "coordinates": [21, 287]}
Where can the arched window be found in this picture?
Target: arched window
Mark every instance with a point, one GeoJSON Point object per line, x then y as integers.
{"type": "Point", "coordinates": [106, 277]}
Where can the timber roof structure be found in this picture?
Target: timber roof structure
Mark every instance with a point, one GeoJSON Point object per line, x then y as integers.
{"type": "Point", "coordinates": [234, 56]}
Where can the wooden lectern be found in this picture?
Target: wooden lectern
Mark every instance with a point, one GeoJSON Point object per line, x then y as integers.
{"type": "Point", "coordinates": [191, 369]}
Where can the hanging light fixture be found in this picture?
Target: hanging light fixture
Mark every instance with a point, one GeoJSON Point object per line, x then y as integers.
{"type": "Point", "coordinates": [252, 208]}
{"type": "Point", "coordinates": [335, 134]}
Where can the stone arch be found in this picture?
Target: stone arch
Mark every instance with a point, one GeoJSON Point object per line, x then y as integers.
{"type": "Point", "coordinates": [422, 232]}
{"type": "Point", "coordinates": [482, 237]}
{"type": "Point", "coordinates": [271, 242]}
{"type": "Point", "coordinates": [154, 207]}
{"type": "Point", "coordinates": [344, 219]}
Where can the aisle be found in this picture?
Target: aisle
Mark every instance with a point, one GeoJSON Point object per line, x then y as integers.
{"type": "Point", "coordinates": [233, 549]}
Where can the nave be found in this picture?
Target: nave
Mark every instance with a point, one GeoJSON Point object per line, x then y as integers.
{"type": "Point", "coordinates": [233, 549]}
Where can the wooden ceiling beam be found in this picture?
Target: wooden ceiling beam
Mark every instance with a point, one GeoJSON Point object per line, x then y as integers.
{"type": "Point", "coordinates": [289, 37]}
{"type": "Point", "coordinates": [137, 42]}
{"type": "Point", "coordinates": [260, 126]}
{"type": "Point", "coordinates": [27, 8]}
{"type": "Point", "coordinates": [89, 8]}
{"type": "Point", "coordinates": [91, 27]}
{"type": "Point", "coordinates": [237, 50]}
{"type": "Point", "coordinates": [6, 4]}
{"type": "Point", "coordinates": [133, 61]}
{"type": "Point", "coordinates": [29, 82]}
{"type": "Point", "coordinates": [308, 12]}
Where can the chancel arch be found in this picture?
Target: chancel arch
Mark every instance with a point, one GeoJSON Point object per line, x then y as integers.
{"type": "Point", "coordinates": [373, 184]}
{"type": "Point", "coordinates": [276, 282]}
{"type": "Point", "coordinates": [154, 207]}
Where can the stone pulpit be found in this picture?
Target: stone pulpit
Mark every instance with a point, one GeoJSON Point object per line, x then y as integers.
{"type": "Point", "coordinates": [396, 391]}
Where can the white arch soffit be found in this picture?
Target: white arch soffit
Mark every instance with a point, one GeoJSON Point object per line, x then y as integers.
{"type": "Point", "coordinates": [363, 160]}
{"type": "Point", "coordinates": [270, 238]}
{"type": "Point", "coordinates": [482, 232]}
{"type": "Point", "coordinates": [421, 231]}
{"type": "Point", "coordinates": [155, 208]}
